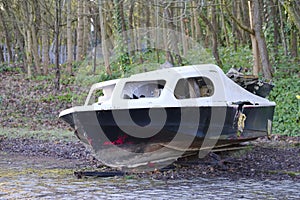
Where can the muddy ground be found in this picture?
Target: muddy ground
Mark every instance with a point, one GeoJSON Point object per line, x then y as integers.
{"type": "Point", "coordinates": [275, 159]}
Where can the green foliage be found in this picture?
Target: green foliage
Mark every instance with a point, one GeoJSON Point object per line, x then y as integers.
{"type": "Point", "coordinates": [240, 58]}
{"type": "Point", "coordinates": [43, 77]}
{"type": "Point", "coordinates": [68, 80]}
{"type": "Point", "coordinates": [63, 98]}
{"type": "Point", "coordinates": [198, 55]}
{"type": "Point", "coordinates": [6, 67]}
{"type": "Point", "coordinates": [134, 66]}
{"type": "Point", "coordinates": [286, 118]}
{"type": "Point", "coordinates": [284, 66]}
{"type": "Point", "coordinates": [124, 62]}
{"type": "Point", "coordinates": [48, 98]}
{"type": "Point", "coordinates": [287, 83]}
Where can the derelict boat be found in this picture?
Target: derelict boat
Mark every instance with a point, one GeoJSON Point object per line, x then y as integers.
{"type": "Point", "coordinates": [159, 116]}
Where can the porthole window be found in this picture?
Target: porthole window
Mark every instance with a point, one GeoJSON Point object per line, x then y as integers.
{"type": "Point", "coordinates": [195, 87]}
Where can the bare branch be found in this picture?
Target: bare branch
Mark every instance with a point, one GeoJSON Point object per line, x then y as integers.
{"type": "Point", "coordinates": [238, 22]}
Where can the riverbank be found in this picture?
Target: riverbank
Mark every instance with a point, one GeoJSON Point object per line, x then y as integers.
{"type": "Point", "coordinates": [263, 159]}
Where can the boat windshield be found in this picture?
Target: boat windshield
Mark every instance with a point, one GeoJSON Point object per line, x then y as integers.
{"type": "Point", "coordinates": [99, 94]}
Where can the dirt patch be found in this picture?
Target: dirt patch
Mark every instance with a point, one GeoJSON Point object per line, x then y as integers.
{"type": "Point", "coordinates": [276, 159]}
{"type": "Point", "coordinates": [33, 104]}
{"type": "Point", "coordinates": [50, 149]}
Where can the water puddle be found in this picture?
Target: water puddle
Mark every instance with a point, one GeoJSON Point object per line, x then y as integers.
{"type": "Point", "coordinates": [47, 178]}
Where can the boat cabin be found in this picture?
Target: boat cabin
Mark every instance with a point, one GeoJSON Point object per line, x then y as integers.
{"type": "Point", "coordinates": [204, 85]}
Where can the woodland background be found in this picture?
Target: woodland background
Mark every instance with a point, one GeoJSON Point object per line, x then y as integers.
{"type": "Point", "coordinates": [53, 47]}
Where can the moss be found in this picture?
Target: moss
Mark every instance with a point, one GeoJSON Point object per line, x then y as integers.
{"type": "Point", "coordinates": [241, 152]}
{"type": "Point", "coordinates": [7, 173]}
{"type": "Point", "coordinates": [290, 173]}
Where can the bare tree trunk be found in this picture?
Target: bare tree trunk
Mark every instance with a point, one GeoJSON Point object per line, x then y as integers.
{"type": "Point", "coordinates": [57, 43]}
{"type": "Point", "coordinates": [294, 42]}
{"type": "Point", "coordinates": [27, 36]}
{"type": "Point", "coordinates": [1, 55]}
{"type": "Point", "coordinates": [95, 19]}
{"type": "Point", "coordinates": [213, 16]}
{"type": "Point", "coordinates": [148, 15]}
{"type": "Point", "coordinates": [69, 38]}
{"type": "Point", "coordinates": [239, 16]}
{"type": "Point", "coordinates": [34, 49]}
{"type": "Point", "coordinates": [214, 40]}
{"type": "Point", "coordinates": [103, 39]}
{"type": "Point", "coordinates": [28, 53]}
{"type": "Point", "coordinates": [224, 28]}
{"type": "Point", "coordinates": [138, 35]}
{"type": "Point", "coordinates": [34, 38]}
{"type": "Point", "coordinates": [259, 35]}
{"type": "Point", "coordinates": [274, 16]}
{"type": "Point", "coordinates": [45, 41]}
{"type": "Point", "coordinates": [192, 23]}
{"type": "Point", "coordinates": [256, 57]}
{"type": "Point", "coordinates": [123, 23]}
{"type": "Point", "coordinates": [158, 34]}
{"type": "Point", "coordinates": [283, 39]}
{"type": "Point", "coordinates": [19, 46]}
{"type": "Point", "coordinates": [108, 18]}
{"type": "Point", "coordinates": [172, 38]}
{"type": "Point", "coordinates": [7, 37]}
{"type": "Point", "coordinates": [80, 26]}
{"type": "Point", "coordinates": [183, 35]}
{"type": "Point", "coordinates": [246, 20]}
{"type": "Point", "coordinates": [234, 27]}
{"type": "Point", "coordinates": [45, 53]}
{"type": "Point", "coordinates": [86, 27]}
{"type": "Point", "coordinates": [9, 11]}
{"type": "Point", "coordinates": [168, 55]}
{"type": "Point", "coordinates": [131, 27]}
{"type": "Point", "coordinates": [198, 33]}
{"type": "Point", "coordinates": [120, 34]}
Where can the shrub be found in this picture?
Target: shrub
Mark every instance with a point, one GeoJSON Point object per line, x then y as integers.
{"type": "Point", "coordinates": [286, 118]}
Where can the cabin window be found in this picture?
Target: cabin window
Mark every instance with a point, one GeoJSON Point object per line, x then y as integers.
{"type": "Point", "coordinates": [143, 89]}
{"type": "Point", "coordinates": [100, 95]}
{"type": "Point", "coordinates": [194, 87]}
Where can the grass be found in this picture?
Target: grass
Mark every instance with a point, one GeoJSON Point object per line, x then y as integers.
{"type": "Point", "coordinates": [49, 135]}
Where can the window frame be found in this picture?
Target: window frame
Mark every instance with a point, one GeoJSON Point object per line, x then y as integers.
{"type": "Point", "coordinates": [209, 85]}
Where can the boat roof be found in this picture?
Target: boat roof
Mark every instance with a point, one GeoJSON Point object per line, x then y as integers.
{"type": "Point", "coordinates": [183, 71]}
{"type": "Point", "coordinates": [226, 90]}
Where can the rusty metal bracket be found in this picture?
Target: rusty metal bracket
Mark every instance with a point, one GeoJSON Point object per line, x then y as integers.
{"type": "Point", "coordinates": [241, 122]}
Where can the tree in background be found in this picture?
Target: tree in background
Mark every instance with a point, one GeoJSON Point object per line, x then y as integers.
{"type": "Point", "coordinates": [28, 35]}
{"type": "Point", "coordinates": [69, 37]}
